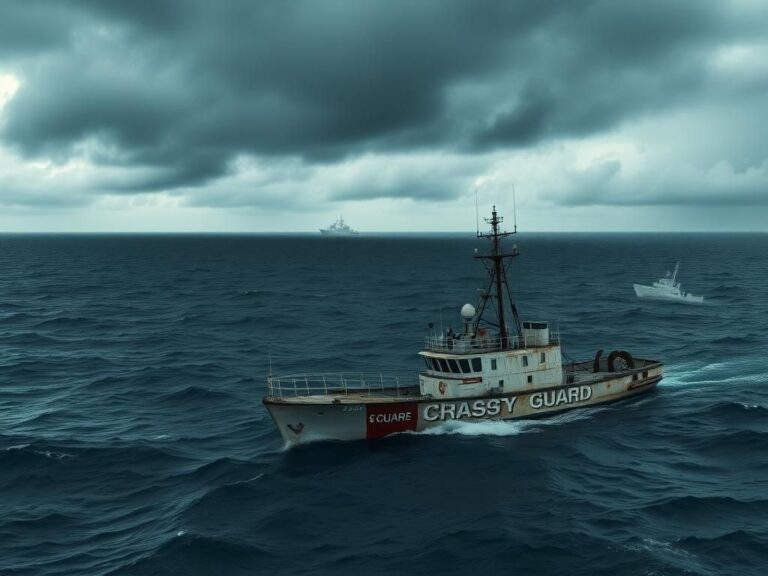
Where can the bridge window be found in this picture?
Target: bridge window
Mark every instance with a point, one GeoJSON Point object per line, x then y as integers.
{"type": "Point", "coordinates": [428, 363]}
{"type": "Point", "coordinates": [454, 366]}
{"type": "Point", "coordinates": [530, 378]}
{"type": "Point", "coordinates": [477, 365]}
{"type": "Point", "coordinates": [443, 365]}
{"type": "Point", "coordinates": [464, 363]}
{"type": "Point", "coordinates": [493, 363]}
{"type": "Point", "coordinates": [543, 358]}
{"type": "Point", "coordinates": [525, 361]}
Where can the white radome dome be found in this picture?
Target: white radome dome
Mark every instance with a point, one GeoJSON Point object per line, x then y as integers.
{"type": "Point", "coordinates": [467, 311]}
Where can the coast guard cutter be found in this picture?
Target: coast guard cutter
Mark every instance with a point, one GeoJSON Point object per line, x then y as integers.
{"type": "Point", "coordinates": [498, 367]}
{"type": "Point", "coordinates": [668, 289]}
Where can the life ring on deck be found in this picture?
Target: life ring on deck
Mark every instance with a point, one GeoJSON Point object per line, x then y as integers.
{"type": "Point", "coordinates": [441, 387]}
{"type": "Point", "coordinates": [625, 356]}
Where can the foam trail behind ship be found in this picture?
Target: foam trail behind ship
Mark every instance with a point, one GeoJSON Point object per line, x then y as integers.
{"type": "Point", "coordinates": [716, 373]}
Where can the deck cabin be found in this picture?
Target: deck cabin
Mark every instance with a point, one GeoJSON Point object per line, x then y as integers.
{"type": "Point", "coordinates": [476, 364]}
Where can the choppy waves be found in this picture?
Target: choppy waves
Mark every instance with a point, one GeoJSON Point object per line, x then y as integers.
{"type": "Point", "coordinates": [133, 441]}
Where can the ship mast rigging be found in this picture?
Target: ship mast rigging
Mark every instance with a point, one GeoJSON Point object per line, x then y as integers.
{"type": "Point", "coordinates": [498, 289]}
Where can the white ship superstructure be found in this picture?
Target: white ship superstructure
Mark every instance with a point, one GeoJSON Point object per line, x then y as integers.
{"type": "Point", "coordinates": [667, 288]}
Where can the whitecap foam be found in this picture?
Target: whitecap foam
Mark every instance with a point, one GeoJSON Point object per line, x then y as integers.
{"type": "Point", "coordinates": [667, 551]}
{"type": "Point", "coordinates": [54, 455]}
{"type": "Point", "coordinates": [248, 481]}
{"type": "Point", "coordinates": [479, 428]}
{"type": "Point", "coordinates": [750, 406]}
{"type": "Point", "coordinates": [707, 374]}
{"type": "Point", "coordinates": [507, 427]}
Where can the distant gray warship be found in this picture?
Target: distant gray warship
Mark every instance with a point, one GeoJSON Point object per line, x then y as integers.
{"type": "Point", "coordinates": [338, 228]}
{"type": "Point", "coordinates": [491, 370]}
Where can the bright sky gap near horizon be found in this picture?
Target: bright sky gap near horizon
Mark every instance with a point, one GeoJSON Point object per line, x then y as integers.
{"type": "Point", "coordinates": [246, 116]}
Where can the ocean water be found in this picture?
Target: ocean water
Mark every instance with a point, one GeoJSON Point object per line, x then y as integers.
{"type": "Point", "coordinates": [133, 440]}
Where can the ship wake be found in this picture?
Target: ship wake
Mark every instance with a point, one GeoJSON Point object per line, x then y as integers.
{"type": "Point", "coordinates": [506, 427]}
{"type": "Point", "coordinates": [714, 373]}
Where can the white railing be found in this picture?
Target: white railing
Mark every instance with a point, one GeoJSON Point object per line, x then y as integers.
{"type": "Point", "coordinates": [460, 345]}
{"type": "Point", "coordinates": [342, 384]}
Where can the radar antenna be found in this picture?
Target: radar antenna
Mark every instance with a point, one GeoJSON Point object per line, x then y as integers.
{"type": "Point", "coordinates": [514, 209]}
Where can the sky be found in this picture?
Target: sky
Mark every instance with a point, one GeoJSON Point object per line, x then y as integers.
{"type": "Point", "coordinates": [273, 115]}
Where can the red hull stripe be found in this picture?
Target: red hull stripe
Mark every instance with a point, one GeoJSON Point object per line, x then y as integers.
{"type": "Point", "coordinates": [382, 420]}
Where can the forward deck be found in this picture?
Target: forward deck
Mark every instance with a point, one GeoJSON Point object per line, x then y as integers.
{"type": "Point", "coordinates": [347, 388]}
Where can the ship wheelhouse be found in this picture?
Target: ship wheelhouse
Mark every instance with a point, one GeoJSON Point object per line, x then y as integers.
{"type": "Point", "coordinates": [471, 364]}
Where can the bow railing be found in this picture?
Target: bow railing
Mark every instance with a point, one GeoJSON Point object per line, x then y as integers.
{"type": "Point", "coordinates": [343, 384]}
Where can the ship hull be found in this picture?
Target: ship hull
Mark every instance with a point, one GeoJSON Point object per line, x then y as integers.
{"type": "Point", "coordinates": [325, 232]}
{"type": "Point", "coordinates": [651, 293]}
{"type": "Point", "coordinates": [308, 420]}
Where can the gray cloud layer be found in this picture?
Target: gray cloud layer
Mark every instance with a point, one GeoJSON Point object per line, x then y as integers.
{"type": "Point", "coordinates": [179, 89]}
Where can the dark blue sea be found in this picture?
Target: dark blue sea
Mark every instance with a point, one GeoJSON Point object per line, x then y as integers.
{"type": "Point", "coordinates": [133, 440]}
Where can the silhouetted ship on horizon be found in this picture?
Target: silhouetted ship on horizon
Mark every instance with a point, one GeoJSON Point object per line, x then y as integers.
{"type": "Point", "coordinates": [339, 228]}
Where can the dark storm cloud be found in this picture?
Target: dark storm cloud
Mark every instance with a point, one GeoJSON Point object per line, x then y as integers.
{"type": "Point", "coordinates": [605, 184]}
{"type": "Point", "coordinates": [609, 62]}
{"type": "Point", "coordinates": [180, 89]}
{"type": "Point", "coordinates": [527, 121]}
{"type": "Point", "coordinates": [33, 27]}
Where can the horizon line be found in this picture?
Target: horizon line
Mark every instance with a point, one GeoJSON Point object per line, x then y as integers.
{"type": "Point", "coordinates": [360, 234]}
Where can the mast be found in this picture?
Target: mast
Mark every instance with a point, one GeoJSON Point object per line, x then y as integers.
{"type": "Point", "coordinates": [497, 271]}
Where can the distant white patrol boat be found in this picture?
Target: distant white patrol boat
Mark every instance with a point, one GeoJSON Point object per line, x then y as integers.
{"type": "Point", "coordinates": [339, 228]}
{"type": "Point", "coordinates": [667, 288]}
